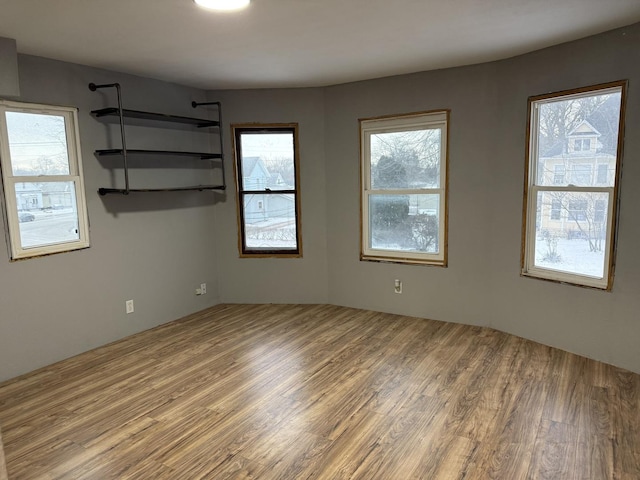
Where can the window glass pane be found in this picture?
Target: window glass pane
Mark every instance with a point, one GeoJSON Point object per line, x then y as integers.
{"type": "Point", "coordinates": [47, 213]}
{"type": "Point", "coordinates": [558, 174]}
{"type": "Point", "coordinates": [574, 136]}
{"type": "Point", "coordinates": [409, 159]}
{"type": "Point", "coordinates": [268, 161]}
{"type": "Point", "coordinates": [603, 175]}
{"type": "Point", "coordinates": [556, 209]}
{"type": "Point", "coordinates": [37, 144]}
{"type": "Point", "coordinates": [407, 223]}
{"type": "Point", "coordinates": [581, 175]}
{"type": "Point", "coordinates": [571, 232]}
{"type": "Point", "coordinates": [270, 221]}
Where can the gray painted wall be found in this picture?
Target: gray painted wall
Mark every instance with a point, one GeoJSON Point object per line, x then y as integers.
{"type": "Point", "coordinates": [597, 324]}
{"type": "Point", "coordinates": [9, 85]}
{"type": "Point", "coordinates": [459, 293]}
{"type": "Point", "coordinates": [153, 248]}
{"type": "Point", "coordinates": [157, 249]}
{"type": "Point", "coordinates": [278, 280]}
{"type": "Point", "coordinates": [487, 146]}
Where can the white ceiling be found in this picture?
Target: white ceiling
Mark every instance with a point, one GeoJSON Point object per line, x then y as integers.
{"type": "Point", "coordinates": [298, 43]}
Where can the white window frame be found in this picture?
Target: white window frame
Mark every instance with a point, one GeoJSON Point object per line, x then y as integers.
{"type": "Point", "coordinates": [399, 123]}
{"type": "Point", "coordinates": [529, 268]}
{"type": "Point", "coordinates": [10, 180]}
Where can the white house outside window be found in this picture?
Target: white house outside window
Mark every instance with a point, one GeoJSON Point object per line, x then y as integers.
{"type": "Point", "coordinates": [404, 188]}
{"type": "Point", "coordinates": [570, 218]}
{"type": "Point", "coordinates": [42, 175]}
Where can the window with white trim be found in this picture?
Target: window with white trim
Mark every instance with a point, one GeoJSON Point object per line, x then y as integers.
{"type": "Point", "coordinates": [569, 222]}
{"type": "Point", "coordinates": [43, 188]}
{"type": "Point", "coordinates": [404, 188]}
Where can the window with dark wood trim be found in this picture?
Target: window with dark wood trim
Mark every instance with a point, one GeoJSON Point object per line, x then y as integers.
{"type": "Point", "coordinates": [268, 189]}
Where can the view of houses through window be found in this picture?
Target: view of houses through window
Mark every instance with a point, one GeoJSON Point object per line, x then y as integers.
{"type": "Point", "coordinates": [42, 178]}
{"type": "Point", "coordinates": [574, 162]}
{"type": "Point", "coordinates": [266, 168]}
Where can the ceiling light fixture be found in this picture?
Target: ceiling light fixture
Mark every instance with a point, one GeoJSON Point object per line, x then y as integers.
{"type": "Point", "coordinates": [223, 4]}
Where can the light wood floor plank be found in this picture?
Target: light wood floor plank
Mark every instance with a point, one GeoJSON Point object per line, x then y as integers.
{"type": "Point", "coordinates": [321, 392]}
{"type": "Point", "coordinates": [3, 465]}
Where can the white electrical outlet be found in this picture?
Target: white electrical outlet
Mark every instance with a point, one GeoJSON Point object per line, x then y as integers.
{"type": "Point", "coordinates": [129, 306]}
{"type": "Point", "coordinates": [397, 287]}
{"type": "Point", "coordinates": [203, 288]}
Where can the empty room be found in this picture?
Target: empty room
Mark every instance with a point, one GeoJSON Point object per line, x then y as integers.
{"type": "Point", "coordinates": [280, 239]}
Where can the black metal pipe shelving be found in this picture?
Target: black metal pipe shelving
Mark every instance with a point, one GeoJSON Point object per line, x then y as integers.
{"type": "Point", "coordinates": [123, 152]}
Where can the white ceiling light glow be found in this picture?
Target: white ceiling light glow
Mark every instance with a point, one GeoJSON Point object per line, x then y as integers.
{"type": "Point", "coordinates": [225, 5]}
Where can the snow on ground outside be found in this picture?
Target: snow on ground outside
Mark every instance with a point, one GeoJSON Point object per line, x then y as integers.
{"type": "Point", "coordinates": [575, 257]}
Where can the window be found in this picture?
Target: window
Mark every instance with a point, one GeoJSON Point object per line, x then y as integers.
{"type": "Point", "coordinates": [581, 175]}
{"type": "Point", "coordinates": [404, 188]}
{"type": "Point", "coordinates": [578, 247]}
{"type": "Point", "coordinates": [578, 210]}
{"type": "Point", "coordinates": [268, 198]}
{"type": "Point", "coordinates": [556, 209]}
{"type": "Point", "coordinates": [42, 174]}
{"type": "Point", "coordinates": [600, 211]}
{"type": "Point", "coordinates": [582, 144]}
{"type": "Point", "coordinates": [603, 173]}
{"type": "Point", "coordinates": [558, 174]}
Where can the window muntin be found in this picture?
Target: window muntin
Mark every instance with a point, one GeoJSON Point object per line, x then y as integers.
{"type": "Point", "coordinates": [267, 181]}
{"type": "Point", "coordinates": [403, 197]}
{"type": "Point", "coordinates": [42, 174]}
{"type": "Point", "coordinates": [569, 224]}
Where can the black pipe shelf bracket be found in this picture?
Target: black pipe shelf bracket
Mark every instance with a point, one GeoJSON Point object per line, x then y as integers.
{"type": "Point", "coordinates": [124, 153]}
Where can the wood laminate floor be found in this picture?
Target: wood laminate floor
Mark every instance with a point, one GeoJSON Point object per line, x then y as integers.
{"type": "Point", "coordinates": [322, 392]}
